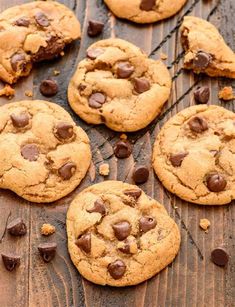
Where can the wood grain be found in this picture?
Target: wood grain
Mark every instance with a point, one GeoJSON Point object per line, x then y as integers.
{"type": "Point", "coordinates": [191, 280]}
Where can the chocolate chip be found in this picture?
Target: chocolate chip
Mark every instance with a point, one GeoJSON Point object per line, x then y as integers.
{"type": "Point", "coordinates": [216, 182]}
{"type": "Point", "coordinates": [42, 19]}
{"type": "Point", "coordinates": [18, 61]}
{"type": "Point", "coordinates": [54, 47]}
{"type": "Point", "coordinates": [177, 159]}
{"type": "Point", "coordinates": [147, 223]}
{"type": "Point", "coordinates": [67, 170]}
{"type": "Point", "coordinates": [94, 53]}
{"type": "Point", "coordinates": [81, 87]}
{"type": "Point", "coordinates": [201, 60]}
{"type": "Point", "coordinates": [20, 120]}
{"type": "Point", "coordinates": [47, 251]}
{"type": "Point", "coordinates": [22, 22]}
{"type": "Point", "coordinates": [141, 85]}
{"type": "Point", "coordinates": [48, 88]}
{"type": "Point", "coordinates": [140, 174]}
{"type": "Point", "coordinates": [198, 124]}
{"type": "Point", "coordinates": [219, 256]}
{"type": "Point", "coordinates": [84, 242]}
{"type": "Point", "coordinates": [124, 69]}
{"type": "Point", "coordinates": [122, 149]}
{"type": "Point", "coordinates": [30, 152]}
{"type": "Point", "coordinates": [122, 230]}
{"type": "Point", "coordinates": [10, 261]}
{"type": "Point", "coordinates": [134, 193]}
{"type": "Point", "coordinates": [125, 248]}
{"type": "Point", "coordinates": [17, 227]}
{"type": "Point", "coordinates": [94, 28]}
{"type": "Point", "coordinates": [117, 269]}
{"type": "Point", "coordinates": [202, 94]}
{"type": "Point", "coordinates": [64, 130]}
{"type": "Point", "coordinates": [147, 5]}
{"type": "Point", "coordinates": [98, 207]}
{"type": "Point", "coordinates": [96, 100]}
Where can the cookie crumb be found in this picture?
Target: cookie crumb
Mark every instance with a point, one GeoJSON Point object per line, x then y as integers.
{"type": "Point", "coordinates": [104, 169]}
{"type": "Point", "coordinates": [56, 72]}
{"type": "Point", "coordinates": [163, 56]}
{"type": "Point", "coordinates": [28, 93]}
{"type": "Point", "coordinates": [226, 93]}
{"type": "Point", "coordinates": [47, 229]}
{"type": "Point", "coordinates": [204, 224]}
{"type": "Point", "coordinates": [62, 53]}
{"type": "Point", "coordinates": [123, 136]}
{"type": "Point", "coordinates": [7, 91]}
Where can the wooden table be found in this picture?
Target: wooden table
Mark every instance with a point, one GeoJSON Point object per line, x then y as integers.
{"type": "Point", "coordinates": [192, 279]}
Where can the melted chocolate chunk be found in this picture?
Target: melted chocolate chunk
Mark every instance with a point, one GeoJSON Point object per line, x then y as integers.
{"type": "Point", "coordinates": [122, 149]}
{"type": "Point", "coordinates": [147, 223]}
{"type": "Point", "coordinates": [198, 124]}
{"type": "Point", "coordinates": [67, 170]}
{"type": "Point", "coordinates": [219, 256]}
{"type": "Point", "coordinates": [22, 22]}
{"type": "Point", "coordinates": [216, 183]}
{"type": "Point", "coordinates": [147, 5]}
{"type": "Point", "coordinates": [54, 47]}
{"type": "Point", "coordinates": [84, 242]}
{"type": "Point", "coordinates": [30, 152]}
{"type": "Point", "coordinates": [47, 251]}
{"type": "Point", "coordinates": [18, 62]}
{"type": "Point", "coordinates": [95, 28]}
{"type": "Point", "coordinates": [96, 100]}
{"type": "Point", "coordinates": [98, 207]}
{"type": "Point", "coordinates": [20, 120]}
{"type": "Point", "coordinates": [140, 174]}
{"type": "Point", "coordinates": [124, 69]}
{"type": "Point", "coordinates": [64, 130]}
{"type": "Point", "coordinates": [17, 227]}
{"type": "Point", "coordinates": [48, 88]}
{"type": "Point", "coordinates": [10, 261]}
{"type": "Point", "coordinates": [177, 159]}
{"type": "Point", "coordinates": [117, 269]}
{"type": "Point", "coordinates": [141, 85]}
{"type": "Point", "coordinates": [122, 230]}
{"type": "Point", "coordinates": [134, 193]}
{"type": "Point", "coordinates": [202, 94]}
{"type": "Point", "coordinates": [42, 19]}
{"type": "Point", "coordinates": [202, 60]}
{"type": "Point", "coordinates": [94, 53]}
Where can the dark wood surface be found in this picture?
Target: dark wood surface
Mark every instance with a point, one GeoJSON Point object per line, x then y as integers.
{"type": "Point", "coordinates": [192, 279]}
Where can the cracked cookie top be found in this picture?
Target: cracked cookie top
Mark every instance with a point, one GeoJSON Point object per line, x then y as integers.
{"type": "Point", "coordinates": [119, 86]}
{"type": "Point", "coordinates": [206, 50]}
{"type": "Point", "coordinates": [119, 236]}
{"type": "Point", "coordinates": [194, 155]}
{"type": "Point", "coordinates": [33, 32]}
{"type": "Point", "coordinates": [44, 155]}
{"type": "Point", "coordinates": [145, 11]}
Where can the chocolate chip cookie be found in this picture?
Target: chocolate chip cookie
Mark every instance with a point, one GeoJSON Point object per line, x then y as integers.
{"type": "Point", "coordinates": [145, 11]}
{"type": "Point", "coordinates": [119, 236]}
{"type": "Point", "coordinates": [194, 155]}
{"type": "Point", "coordinates": [31, 33]}
{"type": "Point", "coordinates": [205, 49]}
{"type": "Point", "coordinates": [119, 86]}
{"type": "Point", "coordinates": [44, 155]}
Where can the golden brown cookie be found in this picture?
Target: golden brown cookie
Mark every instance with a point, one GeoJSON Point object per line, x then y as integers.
{"type": "Point", "coordinates": [31, 33]}
{"type": "Point", "coordinates": [44, 155]}
{"type": "Point", "coordinates": [119, 86]}
{"type": "Point", "coordinates": [119, 236]}
{"type": "Point", "coordinates": [194, 155]}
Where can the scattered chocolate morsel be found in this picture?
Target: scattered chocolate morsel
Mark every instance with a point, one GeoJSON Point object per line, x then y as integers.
{"type": "Point", "coordinates": [117, 269]}
{"type": "Point", "coordinates": [201, 60]}
{"type": "Point", "coordinates": [122, 230]}
{"type": "Point", "coordinates": [22, 22]}
{"type": "Point", "coordinates": [42, 19]}
{"type": "Point", "coordinates": [49, 88]}
{"type": "Point", "coordinates": [94, 28]}
{"type": "Point", "coordinates": [64, 130]}
{"type": "Point", "coordinates": [96, 100]}
{"type": "Point", "coordinates": [47, 251]}
{"type": "Point", "coordinates": [126, 248]}
{"type": "Point", "coordinates": [135, 193]}
{"type": "Point", "coordinates": [122, 149]}
{"type": "Point", "coordinates": [140, 174]}
{"type": "Point", "coordinates": [94, 53]}
{"type": "Point", "coordinates": [216, 183]}
{"type": "Point", "coordinates": [219, 256]}
{"type": "Point", "coordinates": [147, 5]}
{"type": "Point", "coordinates": [141, 85]}
{"type": "Point", "coordinates": [17, 227]}
{"type": "Point", "coordinates": [124, 69]}
{"type": "Point", "coordinates": [177, 159]}
{"type": "Point", "coordinates": [202, 94]}
{"type": "Point", "coordinates": [54, 47]}
{"type": "Point", "coordinates": [18, 61]}
{"type": "Point", "coordinates": [20, 120]}
{"type": "Point", "coordinates": [67, 170]}
{"type": "Point", "coordinates": [30, 152]}
{"type": "Point", "coordinates": [84, 242]}
{"type": "Point", "coordinates": [98, 207]}
{"type": "Point", "coordinates": [10, 261]}
{"type": "Point", "coordinates": [147, 223]}
{"type": "Point", "coordinates": [198, 124]}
